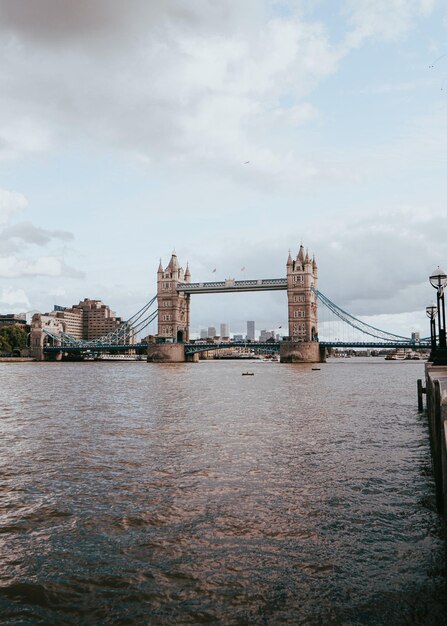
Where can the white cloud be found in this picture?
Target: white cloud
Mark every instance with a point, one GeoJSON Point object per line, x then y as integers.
{"type": "Point", "coordinates": [384, 19]}
{"type": "Point", "coordinates": [10, 202]}
{"type": "Point", "coordinates": [11, 297]}
{"type": "Point", "coordinates": [57, 292]}
{"type": "Point", "coordinates": [17, 235]}
{"type": "Point", "coordinates": [15, 267]}
{"type": "Point", "coordinates": [297, 114]}
{"type": "Point", "coordinates": [23, 135]}
{"type": "Point", "coordinates": [14, 238]}
{"type": "Point", "coordinates": [205, 86]}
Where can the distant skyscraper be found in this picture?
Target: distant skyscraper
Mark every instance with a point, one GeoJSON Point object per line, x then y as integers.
{"type": "Point", "coordinates": [203, 333]}
{"type": "Point", "coordinates": [212, 331]}
{"type": "Point", "coordinates": [224, 330]}
{"type": "Point", "coordinates": [251, 330]}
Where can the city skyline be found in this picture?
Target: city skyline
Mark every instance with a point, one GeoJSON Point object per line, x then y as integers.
{"type": "Point", "coordinates": [230, 133]}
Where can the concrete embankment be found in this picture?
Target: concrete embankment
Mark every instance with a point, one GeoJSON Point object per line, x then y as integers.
{"type": "Point", "coordinates": [436, 389]}
{"type": "Point", "coordinates": [16, 359]}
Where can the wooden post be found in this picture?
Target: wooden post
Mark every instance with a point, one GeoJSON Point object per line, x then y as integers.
{"type": "Point", "coordinates": [420, 392]}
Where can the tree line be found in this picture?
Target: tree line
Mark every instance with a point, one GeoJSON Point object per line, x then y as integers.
{"type": "Point", "coordinates": [12, 337]}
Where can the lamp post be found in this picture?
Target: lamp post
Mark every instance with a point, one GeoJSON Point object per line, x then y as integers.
{"type": "Point", "coordinates": [430, 311]}
{"type": "Point", "coordinates": [438, 280]}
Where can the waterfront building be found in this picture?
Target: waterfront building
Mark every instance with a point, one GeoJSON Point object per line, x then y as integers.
{"type": "Point", "coordinates": [212, 332]}
{"type": "Point", "coordinates": [90, 319]}
{"type": "Point", "coordinates": [97, 318]}
{"type": "Point", "coordinates": [13, 319]}
{"type": "Point", "coordinates": [73, 320]}
{"type": "Point", "coordinates": [238, 337]}
{"type": "Point", "coordinates": [203, 333]}
{"type": "Point", "coordinates": [251, 330]}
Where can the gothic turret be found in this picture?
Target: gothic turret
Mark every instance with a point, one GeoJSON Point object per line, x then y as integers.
{"type": "Point", "coordinates": [300, 257]}
{"type": "Point", "coordinates": [173, 263]}
{"type": "Point", "coordinates": [187, 274]}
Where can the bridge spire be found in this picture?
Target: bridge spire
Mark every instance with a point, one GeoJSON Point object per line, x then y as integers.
{"type": "Point", "coordinates": [300, 257]}
{"type": "Point", "coordinates": [160, 268]}
{"type": "Point", "coordinates": [173, 263]}
{"type": "Point", "coordinates": [289, 259]}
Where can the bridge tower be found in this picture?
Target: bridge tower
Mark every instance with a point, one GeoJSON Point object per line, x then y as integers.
{"type": "Point", "coordinates": [173, 306]}
{"type": "Point", "coordinates": [302, 344]}
{"type": "Point", "coordinates": [302, 277]}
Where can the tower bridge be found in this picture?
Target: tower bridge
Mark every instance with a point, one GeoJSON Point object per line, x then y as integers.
{"type": "Point", "coordinates": [174, 290]}
{"type": "Point", "coordinates": [171, 308]}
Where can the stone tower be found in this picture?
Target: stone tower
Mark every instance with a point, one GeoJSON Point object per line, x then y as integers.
{"type": "Point", "coordinates": [173, 307]}
{"type": "Point", "coordinates": [302, 277]}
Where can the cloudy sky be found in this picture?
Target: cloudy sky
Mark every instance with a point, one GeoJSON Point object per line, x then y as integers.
{"type": "Point", "coordinates": [125, 128]}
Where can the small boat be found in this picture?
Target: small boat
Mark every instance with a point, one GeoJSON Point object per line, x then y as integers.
{"type": "Point", "coordinates": [316, 369]}
{"type": "Point", "coordinates": [248, 373]}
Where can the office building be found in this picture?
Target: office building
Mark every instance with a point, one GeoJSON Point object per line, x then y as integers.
{"type": "Point", "coordinates": [251, 330]}
{"type": "Point", "coordinates": [224, 330]}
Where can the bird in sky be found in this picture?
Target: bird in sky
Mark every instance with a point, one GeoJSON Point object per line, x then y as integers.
{"type": "Point", "coordinates": [246, 162]}
{"type": "Point", "coordinates": [214, 270]}
{"type": "Point", "coordinates": [438, 59]}
{"type": "Point", "coordinates": [242, 268]}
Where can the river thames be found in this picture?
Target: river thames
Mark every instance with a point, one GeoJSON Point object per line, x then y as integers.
{"type": "Point", "coordinates": [188, 494]}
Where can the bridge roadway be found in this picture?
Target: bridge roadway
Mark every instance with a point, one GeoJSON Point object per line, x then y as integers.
{"type": "Point", "coordinates": [138, 347]}
{"type": "Point", "coordinates": [231, 286]}
{"type": "Point", "coordinates": [192, 348]}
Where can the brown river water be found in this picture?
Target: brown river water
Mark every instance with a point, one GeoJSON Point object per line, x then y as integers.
{"type": "Point", "coordinates": [188, 494]}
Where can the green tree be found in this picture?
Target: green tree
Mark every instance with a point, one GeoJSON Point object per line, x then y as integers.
{"type": "Point", "coordinates": [11, 338]}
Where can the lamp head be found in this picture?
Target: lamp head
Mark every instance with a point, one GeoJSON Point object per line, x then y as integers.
{"type": "Point", "coordinates": [438, 279]}
{"type": "Point", "coordinates": [431, 311]}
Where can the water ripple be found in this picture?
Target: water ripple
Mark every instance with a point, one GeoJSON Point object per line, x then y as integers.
{"type": "Point", "coordinates": [142, 494]}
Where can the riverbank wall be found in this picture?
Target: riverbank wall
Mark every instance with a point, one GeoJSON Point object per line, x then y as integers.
{"type": "Point", "coordinates": [436, 390]}
{"type": "Point", "coordinates": [16, 359]}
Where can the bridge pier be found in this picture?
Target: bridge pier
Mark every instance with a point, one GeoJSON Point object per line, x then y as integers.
{"type": "Point", "coordinates": [301, 352]}
{"type": "Point", "coordinates": [166, 353]}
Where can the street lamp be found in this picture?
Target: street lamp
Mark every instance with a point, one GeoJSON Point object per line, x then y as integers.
{"type": "Point", "coordinates": [438, 280]}
{"type": "Point", "coordinates": [430, 311]}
